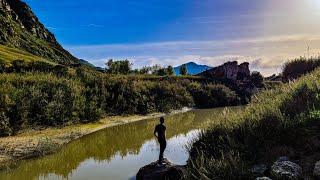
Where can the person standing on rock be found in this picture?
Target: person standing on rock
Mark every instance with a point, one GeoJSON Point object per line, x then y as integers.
{"type": "Point", "coordinates": [160, 133]}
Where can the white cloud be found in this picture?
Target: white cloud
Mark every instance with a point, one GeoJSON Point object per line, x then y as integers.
{"type": "Point", "coordinates": [266, 54]}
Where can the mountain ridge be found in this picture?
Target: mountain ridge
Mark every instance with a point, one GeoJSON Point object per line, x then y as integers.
{"type": "Point", "coordinates": [192, 68]}
{"type": "Point", "coordinates": [20, 28]}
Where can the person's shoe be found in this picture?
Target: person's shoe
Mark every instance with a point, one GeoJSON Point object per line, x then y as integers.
{"type": "Point", "coordinates": [160, 164]}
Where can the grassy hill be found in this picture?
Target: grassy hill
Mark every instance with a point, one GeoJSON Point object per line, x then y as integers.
{"type": "Point", "coordinates": [7, 55]}
{"type": "Point", "coordinates": [285, 125]}
{"type": "Point", "coordinates": [21, 29]}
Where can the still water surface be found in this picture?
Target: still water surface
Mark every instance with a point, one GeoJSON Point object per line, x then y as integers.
{"type": "Point", "coordinates": [118, 152]}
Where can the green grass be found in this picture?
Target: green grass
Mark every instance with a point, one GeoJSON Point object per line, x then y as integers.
{"type": "Point", "coordinates": [280, 121]}
{"type": "Point", "coordinates": [8, 54]}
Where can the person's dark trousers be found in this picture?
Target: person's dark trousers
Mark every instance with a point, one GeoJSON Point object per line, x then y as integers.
{"type": "Point", "coordinates": [163, 145]}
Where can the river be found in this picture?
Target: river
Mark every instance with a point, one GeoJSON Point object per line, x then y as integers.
{"type": "Point", "coordinates": [118, 152]}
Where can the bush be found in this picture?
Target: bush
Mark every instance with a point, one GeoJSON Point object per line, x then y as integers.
{"type": "Point", "coordinates": [2, 66]}
{"type": "Point", "coordinates": [252, 136]}
{"type": "Point", "coordinates": [296, 68]}
{"type": "Point", "coordinates": [19, 66]}
{"type": "Point", "coordinates": [62, 98]}
{"type": "Point", "coordinates": [212, 95]}
{"type": "Point", "coordinates": [5, 129]}
{"type": "Point", "coordinates": [60, 70]}
{"type": "Point", "coordinates": [257, 79]}
{"type": "Point", "coordinates": [39, 100]}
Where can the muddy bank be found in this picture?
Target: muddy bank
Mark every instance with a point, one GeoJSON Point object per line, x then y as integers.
{"type": "Point", "coordinates": [36, 143]}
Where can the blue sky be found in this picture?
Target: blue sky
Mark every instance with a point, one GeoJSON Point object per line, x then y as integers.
{"type": "Point", "coordinates": [171, 32]}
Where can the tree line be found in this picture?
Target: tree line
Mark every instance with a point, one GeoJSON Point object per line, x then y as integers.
{"type": "Point", "coordinates": [125, 67]}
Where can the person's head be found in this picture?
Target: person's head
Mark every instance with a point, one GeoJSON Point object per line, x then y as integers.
{"type": "Point", "coordinates": [161, 120]}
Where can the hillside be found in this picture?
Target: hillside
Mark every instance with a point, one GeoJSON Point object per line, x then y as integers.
{"type": "Point", "coordinates": [192, 68]}
{"type": "Point", "coordinates": [8, 55]}
{"type": "Point", "coordinates": [21, 29]}
{"type": "Point", "coordinates": [286, 125]}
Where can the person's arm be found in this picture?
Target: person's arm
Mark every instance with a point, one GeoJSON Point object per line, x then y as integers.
{"type": "Point", "coordinates": [155, 132]}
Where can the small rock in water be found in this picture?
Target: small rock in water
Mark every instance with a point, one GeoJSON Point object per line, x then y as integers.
{"type": "Point", "coordinates": [263, 178]}
{"type": "Point", "coordinates": [259, 169]}
{"type": "Point", "coordinates": [316, 170]}
{"type": "Point", "coordinates": [167, 170]}
{"type": "Point", "coordinates": [286, 170]}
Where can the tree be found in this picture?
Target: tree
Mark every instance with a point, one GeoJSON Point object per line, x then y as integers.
{"type": "Point", "coordinates": [145, 70]}
{"type": "Point", "coordinates": [183, 70]}
{"type": "Point", "coordinates": [118, 67]}
{"type": "Point", "coordinates": [257, 79]}
{"type": "Point", "coordinates": [155, 69]}
{"type": "Point", "coordinates": [170, 71]}
{"type": "Point", "coordinates": [161, 72]}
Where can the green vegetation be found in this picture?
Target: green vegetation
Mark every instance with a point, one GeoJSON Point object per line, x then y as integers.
{"type": "Point", "coordinates": [300, 66]}
{"type": "Point", "coordinates": [118, 67]}
{"type": "Point", "coordinates": [183, 70]}
{"type": "Point", "coordinates": [58, 96]}
{"type": "Point", "coordinates": [268, 128]}
{"type": "Point", "coordinates": [7, 55]}
{"type": "Point", "coordinates": [257, 79]}
{"type": "Point", "coordinates": [17, 31]}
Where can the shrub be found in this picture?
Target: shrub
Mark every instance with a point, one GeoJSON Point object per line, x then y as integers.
{"type": "Point", "coordinates": [212, 95]}
{"type": "Point", "coordinates": [296, 68]}
{"type": "Point", "coordinates": [5, 129]}
{"type": "Point", "coordinates": [39, 100]}
{"type": "Point", "coordinates": [60, 70]}
{"type": "Point", "coordinates": [278, 117]}
{"type": "Point", "coordinates": [257, 79]}
{"type": "Point", "coordinates": [40, 66]}
{"type": "Point", "coordinates": [61, 98]}
{"type": "Point", "coordinates": [2, 66]}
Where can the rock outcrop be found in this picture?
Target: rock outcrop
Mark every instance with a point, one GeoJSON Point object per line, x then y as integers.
{"type": "Point", "coordinates": [285, 169]}
{"type": "Point", "coordinates": [155, 172]}
{"type": "Point", "coordinates": [316, 170]}
{"type": "Point", "coordinates": [21, 29]}
{"type": "Point", "coordinates": [229, 70]}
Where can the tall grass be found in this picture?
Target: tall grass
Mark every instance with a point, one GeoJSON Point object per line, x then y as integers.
{"type": "Point", "coordinates": [300, 66]}
{"type": "Point", "coordinates": [274, 124]}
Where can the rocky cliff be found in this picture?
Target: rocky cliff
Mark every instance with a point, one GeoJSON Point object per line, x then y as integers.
{"type": "Point", "coordinates": [20, 28]}
{"type": "Point", "coordinates": [229, 70]}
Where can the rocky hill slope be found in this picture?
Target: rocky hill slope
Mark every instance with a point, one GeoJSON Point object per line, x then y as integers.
{"type": "Point", "coordinates": [21, 29]}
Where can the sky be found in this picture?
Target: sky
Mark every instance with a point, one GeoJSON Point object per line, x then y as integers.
{"type": "Point", "coordinates": [265, 33]}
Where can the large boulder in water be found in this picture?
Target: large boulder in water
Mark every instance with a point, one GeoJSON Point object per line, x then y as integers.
{"type": "Point", "coordinates": [285, 169]}
{"type": "Point", "coordinates": [316, 171]}
{"type": "Point", "coordinates": [166, 171]}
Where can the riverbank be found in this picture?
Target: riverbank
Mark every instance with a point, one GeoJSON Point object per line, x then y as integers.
{"type": "Point", "coordinates": [286, 125]}
{"type": "Point", "coordinates": [37, 143]}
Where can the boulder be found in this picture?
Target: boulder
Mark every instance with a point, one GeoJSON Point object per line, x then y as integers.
{"type": "Point", "coordinates": [285, 169]}
{"type": "Point", "coordinates": [316, 170]}
{"type": "Point", "coordinates": [166, 171]}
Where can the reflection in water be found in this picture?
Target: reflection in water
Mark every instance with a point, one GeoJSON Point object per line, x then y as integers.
{"type": "Point", "coordinates": [117, 152]}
